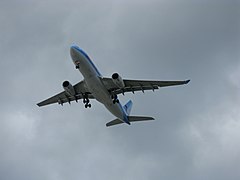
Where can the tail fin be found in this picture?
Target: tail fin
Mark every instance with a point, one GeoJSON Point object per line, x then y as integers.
{"type": "Point", "coordinates": [130, 118]}
{"type": "Point", "coordinates": [128, 107]}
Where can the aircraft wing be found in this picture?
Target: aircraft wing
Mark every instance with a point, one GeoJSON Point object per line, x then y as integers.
{"type": "Point", "coordinates": [138, 85]}
{"type": "Point", "coordinates": [61, 98]}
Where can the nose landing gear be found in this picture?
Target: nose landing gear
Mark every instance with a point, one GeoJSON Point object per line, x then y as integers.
{"type": "Point", "coordinates": [77, 64]}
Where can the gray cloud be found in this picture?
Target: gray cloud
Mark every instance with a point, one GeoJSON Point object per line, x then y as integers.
{"type": "Point", "coordinates": [196, 132]}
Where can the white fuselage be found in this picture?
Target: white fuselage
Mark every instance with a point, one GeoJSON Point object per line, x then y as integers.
{"type": "Point", "coordinates": [93, 80]}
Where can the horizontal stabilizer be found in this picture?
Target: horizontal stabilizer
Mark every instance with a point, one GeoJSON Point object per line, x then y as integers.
{"type": "Point", "coordinates": [130, 119]}
{"type": "Point", "coordinates": [114, 122]}
{"type": "Point", "coordinates": [139, 118]}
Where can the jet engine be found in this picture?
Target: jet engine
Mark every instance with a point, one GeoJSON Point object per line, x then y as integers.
{"type": "Point", "coordinates": [117, 79]}
{"type": "Point", "coordinates": [67, 86]}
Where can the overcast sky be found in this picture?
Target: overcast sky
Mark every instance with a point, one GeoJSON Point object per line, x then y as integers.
{"type": "Point", "coordinates": [196, 134]}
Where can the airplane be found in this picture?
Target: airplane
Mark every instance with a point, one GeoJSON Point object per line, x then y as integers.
{"type": "Point", "coordinates": [103, 89]}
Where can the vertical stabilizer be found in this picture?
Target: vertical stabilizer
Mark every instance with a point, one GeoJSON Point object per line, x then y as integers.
{"type": "Point", "coordinates": [128, 107]}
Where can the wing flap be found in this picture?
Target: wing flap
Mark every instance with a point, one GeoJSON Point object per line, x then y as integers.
{"type": "Point", "coordinates": [152, 83]}
{"type": "Point", "coordinates": [60, 98]}
{"type": "Point", "coordinates": [138, 85]}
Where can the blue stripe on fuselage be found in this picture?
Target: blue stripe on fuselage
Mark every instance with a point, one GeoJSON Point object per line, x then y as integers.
{"type": "Point", "coordinates": [89, 60]}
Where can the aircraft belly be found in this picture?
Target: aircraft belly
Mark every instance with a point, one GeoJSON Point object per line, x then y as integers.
{"type": "Point", "coordinates": [86, 70]}
{"type": "Point", "coordinates": [96, 87]}
{"type": "Point", "coordinates": [116, 110]}
{"type": "Point", "coordinates": [101, 94]}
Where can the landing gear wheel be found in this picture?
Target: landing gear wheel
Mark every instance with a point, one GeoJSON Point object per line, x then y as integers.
{"type": "Point", "coordinates": [115, 101]}
{"type": "Point", "coordinates": [88, 105]}
{"type": "Point", "coordinates": [77, 66]}
{"type": "Point", "coordinates": [86, 101]}
{"type": "Point", "coordinates": [114, 96]}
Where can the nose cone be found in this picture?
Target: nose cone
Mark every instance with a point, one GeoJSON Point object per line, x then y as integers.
{"type": "Point", "coordinates": [76, 57]}
{"type": "Point", "coordinates": [73, 52]}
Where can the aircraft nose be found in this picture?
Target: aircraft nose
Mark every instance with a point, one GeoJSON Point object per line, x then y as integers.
{"type": "Point", "coordinates": [75, 56]}
{"type": "Point", "coordinates": [73, 51]}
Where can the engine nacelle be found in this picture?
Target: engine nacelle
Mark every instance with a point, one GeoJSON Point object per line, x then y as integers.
{"type": "Point", "coordinates": [117, 79]}
{"type": "Point", "coordinates": [67, 86]}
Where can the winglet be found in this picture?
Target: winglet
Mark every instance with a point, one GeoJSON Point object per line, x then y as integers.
{"type": "Point", "coordinates": [187, 81]}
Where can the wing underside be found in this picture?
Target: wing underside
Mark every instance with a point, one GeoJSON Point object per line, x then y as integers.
{"type": "Point", "coordinates": [63, 97]}
{"type": "Point", "coordinates": [139, 85]}
{"type": "Point", "coordinates": [81, 89]}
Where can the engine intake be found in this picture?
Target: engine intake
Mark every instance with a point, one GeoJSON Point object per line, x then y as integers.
{"type": "Point", "coordinates": [117, 79]}
{"type": "Point", "coordinates": [69, 89]}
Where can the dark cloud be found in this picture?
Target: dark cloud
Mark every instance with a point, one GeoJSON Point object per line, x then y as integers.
{"type": "Point", "coordinates": [196, 132]}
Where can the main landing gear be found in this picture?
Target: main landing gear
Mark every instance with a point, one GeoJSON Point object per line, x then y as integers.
{"type": "Point", "coordinates": [115, 99]}
{"type": "Point", "coordinates": [86, 101]}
